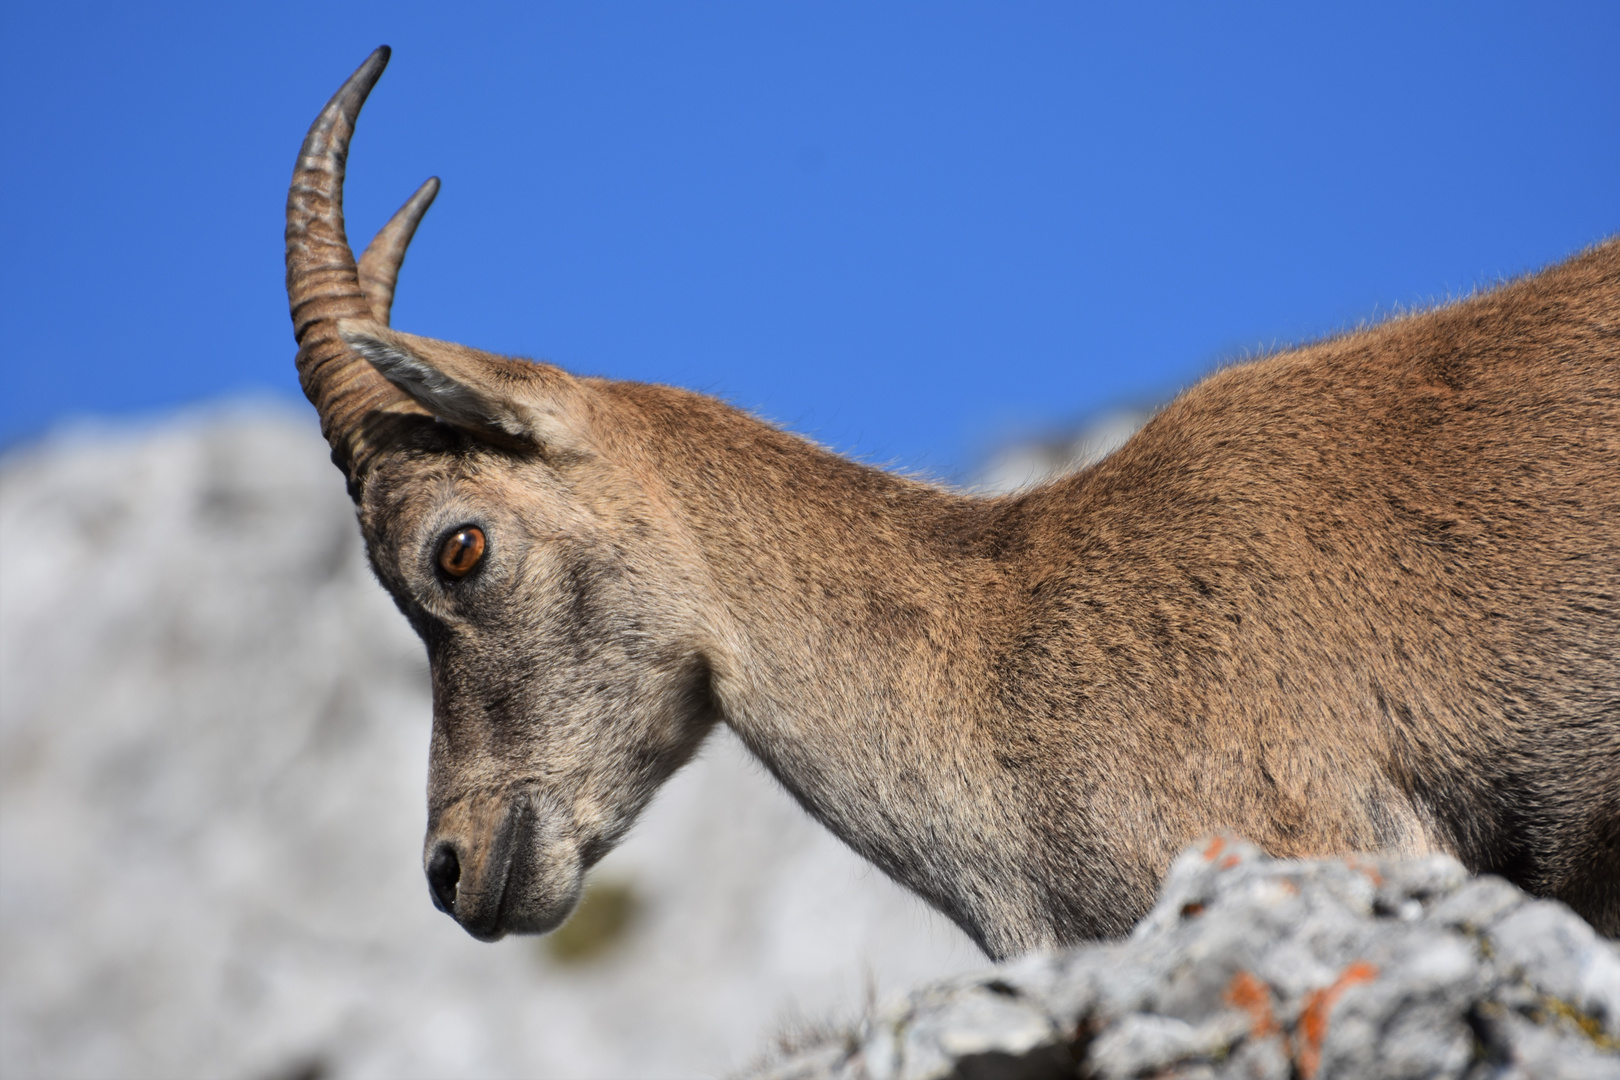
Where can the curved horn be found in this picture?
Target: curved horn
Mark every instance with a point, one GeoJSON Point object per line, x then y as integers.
{"type": "Point", "coordinates": [379, 265]}
{"type": "Point", "coordinates": [323, 283]}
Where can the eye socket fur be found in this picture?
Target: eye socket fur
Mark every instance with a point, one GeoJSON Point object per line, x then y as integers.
{"type": "Point", "coordinates": [461, 551]}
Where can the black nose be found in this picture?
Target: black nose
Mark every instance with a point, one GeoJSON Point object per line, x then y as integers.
{"type": "Point", "coordinates": [443, 871]}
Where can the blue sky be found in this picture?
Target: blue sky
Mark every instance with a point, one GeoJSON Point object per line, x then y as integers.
{"type": "Point", "coordinates": [904, 229]}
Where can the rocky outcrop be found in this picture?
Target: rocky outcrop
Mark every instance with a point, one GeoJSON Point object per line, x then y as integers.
{"type": "Point", "coordinates": [1255, 967]}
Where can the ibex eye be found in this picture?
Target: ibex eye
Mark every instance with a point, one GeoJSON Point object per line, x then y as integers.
{"type": "Point", "coordinates": [461, 551]}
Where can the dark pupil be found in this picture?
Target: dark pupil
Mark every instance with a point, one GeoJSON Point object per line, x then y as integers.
{"type": "Point", "coordinates": [462, 552]}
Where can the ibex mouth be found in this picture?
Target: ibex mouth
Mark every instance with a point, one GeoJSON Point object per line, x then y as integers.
{"type": "Point", "coordinates": [497, 866]}
{"type": "Point", "coordinates": [480, 915]}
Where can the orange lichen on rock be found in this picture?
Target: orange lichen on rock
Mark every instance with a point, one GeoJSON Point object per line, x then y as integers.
{"type": "Point", "coordinates": [1313, 1021]}
{"type": "Point", "coordinates": [1217, 844]}
{"type": "Point", "coordinates": [1254, 997]}
{"type": "Point", "coordinates": [1366, 868]}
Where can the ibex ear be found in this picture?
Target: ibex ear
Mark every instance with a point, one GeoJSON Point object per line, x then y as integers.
{"type": "Point", "coordinates": [507, 401]}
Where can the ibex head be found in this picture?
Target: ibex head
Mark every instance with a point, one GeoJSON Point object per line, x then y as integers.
{"type": "Point", "coordinates": [525, 539]}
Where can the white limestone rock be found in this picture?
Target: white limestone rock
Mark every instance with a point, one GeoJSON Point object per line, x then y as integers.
{"type": "Point", "coordinates": [1248, 966]}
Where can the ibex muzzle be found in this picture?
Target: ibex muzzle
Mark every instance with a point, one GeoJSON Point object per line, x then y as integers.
{"type": "Point", "coordinates": [1362, 595]}
{"type": "Point", "coordinates": [503, 863]}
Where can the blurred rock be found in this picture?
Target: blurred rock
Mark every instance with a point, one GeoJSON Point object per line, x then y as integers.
{"type": "Point", "coordinates": [1024, 463]}
{"type": "Point", "coordinates": [1255, 967]}
{"type": "Point", "coordinates": [213, 744]}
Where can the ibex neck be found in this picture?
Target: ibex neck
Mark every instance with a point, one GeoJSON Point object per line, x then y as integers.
{"type": "Point", "coordinates": [837, 572]}
{"type": "Point", "coordinates": [861, 615]}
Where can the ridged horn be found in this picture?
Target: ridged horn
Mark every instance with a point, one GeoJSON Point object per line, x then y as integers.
{"type": "Point", "coordinates": [379, 265]}
{"type": "Point", "coordinates": [323, 283]}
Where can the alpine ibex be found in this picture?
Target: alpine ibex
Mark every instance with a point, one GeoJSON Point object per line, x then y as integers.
{"type": "Point", "coordinates": [1361, 595]}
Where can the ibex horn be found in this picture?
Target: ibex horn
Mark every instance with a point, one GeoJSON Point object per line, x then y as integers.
{"type": "Point", "coordinates": [379, 264]}
{"type": "Point", "coordinates": [324, 285]}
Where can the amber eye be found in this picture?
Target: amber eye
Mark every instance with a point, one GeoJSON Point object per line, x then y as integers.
{"type": "Point", "coordinates": [461, 551]}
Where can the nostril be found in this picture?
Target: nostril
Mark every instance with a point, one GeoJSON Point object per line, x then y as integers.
{"type": "Point", "coordinates": [443, 872]}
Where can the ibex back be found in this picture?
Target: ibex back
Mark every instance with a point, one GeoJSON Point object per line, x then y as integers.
{"type": "Point", "coordinates": [1363, 595]}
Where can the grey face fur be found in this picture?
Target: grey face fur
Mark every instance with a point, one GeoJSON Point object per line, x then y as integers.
{"type": "Point", "coordinates": [569, 678]}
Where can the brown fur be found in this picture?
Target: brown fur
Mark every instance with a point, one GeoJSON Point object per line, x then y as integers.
{"type": "Point", "coordinates": [1362, 595]}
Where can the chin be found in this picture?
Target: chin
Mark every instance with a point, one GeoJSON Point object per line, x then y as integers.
{"type": "Point", "coordinates": [541, 893]}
